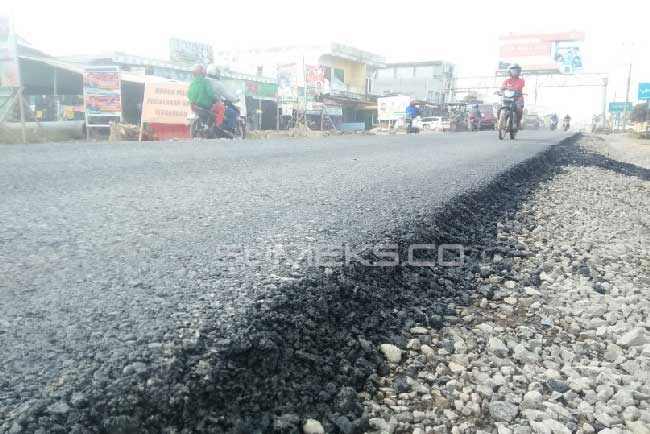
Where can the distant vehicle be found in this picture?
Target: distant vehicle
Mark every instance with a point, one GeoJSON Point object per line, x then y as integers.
{"type": "Point", "coordinates": [488, 118]}
{"type": "Point", "coordinates": [473, 122]}
{"type": "Point", "coordinates": [474, 118]}
{"type": "Point", "coordinates": [531, 122]}
{"type": "Point", "coordinates": [436, 123]}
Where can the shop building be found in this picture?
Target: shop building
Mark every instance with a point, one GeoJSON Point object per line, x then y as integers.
{"type": "Point", "coordinates": [431, 81]}
{"type": "Point", "coordinates": [333, 78]}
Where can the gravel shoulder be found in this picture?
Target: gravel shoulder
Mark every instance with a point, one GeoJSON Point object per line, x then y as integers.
{"type": "Point", "coordinates": [556, 341]}
{"type": "Point", "coordinates": [621, 147]}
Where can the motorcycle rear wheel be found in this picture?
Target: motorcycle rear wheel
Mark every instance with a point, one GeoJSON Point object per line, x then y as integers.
{"type": "Point", "coordinates": [196, 130]}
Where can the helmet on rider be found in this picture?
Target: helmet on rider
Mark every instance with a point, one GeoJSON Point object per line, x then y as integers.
{"type": "Point", "coordinates": [514, 70]}
{"type": "Point", "coordinates": [198, 70]}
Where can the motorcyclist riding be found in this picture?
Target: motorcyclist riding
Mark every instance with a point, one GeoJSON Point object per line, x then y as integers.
{"type": "Point", "coordinates": [475, 117]}
{"type": "Point", "coordinates": [412, 112]}
{"type": "Point", "coordinates": [554, 121]}
{"type": "Point", "coordinates": [201, 94]}
{"type": "Point", "coordinates": [515, 82]}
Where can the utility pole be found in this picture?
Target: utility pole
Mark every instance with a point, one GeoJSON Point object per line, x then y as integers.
{"type": "Point", "coordinates": [13, 48]}
{"type": "Point", "coordinates": [627, 97]}
{"type": "Point", "coordinates": [604, 113]}
{"type": "Point", "coordinates": [304, 79]}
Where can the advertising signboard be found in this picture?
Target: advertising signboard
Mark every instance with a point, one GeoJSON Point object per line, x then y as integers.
{"type": "Point", "coordinates": [391, 108]}
{"type": "Point", "coordinates": [166, 103]}
{"type": "Point", "coordinates": [102, 91]}
{"type": "Point", "coordinates": [190, 52]}
{"type": "Point", "coordinates": [619, 107]}
{"type": "Point", "coordinates": [9, 72]}
{"type": "Point", "coordinates": [546, 53]}
{"type": "Point", "coordinates": [317, 81]}
{"type": "Point", "coordinates": [265, 91]}
{"type": "Point", "coordinates": [316, 108]}
{"type": "Point", "coordinates": [644, 92]}
{"type": "Point", "coordinates": [287, 82]}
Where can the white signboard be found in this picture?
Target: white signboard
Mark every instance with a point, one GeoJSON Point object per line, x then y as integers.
{"type": "Point", "coordinates": [392, 108]}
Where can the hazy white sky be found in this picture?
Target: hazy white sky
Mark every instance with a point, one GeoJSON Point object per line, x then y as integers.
{"type": "Point", "coordinates": [464, 32]}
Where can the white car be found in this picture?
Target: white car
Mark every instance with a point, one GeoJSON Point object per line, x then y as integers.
{"type": "Point", "coordinates": [436, 123]}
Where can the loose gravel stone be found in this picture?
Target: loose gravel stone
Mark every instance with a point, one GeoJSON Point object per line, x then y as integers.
{"type": "Point", "coordinates": [391, 352]}
{"type": "Point", "coordinates": [312, 426]}
{"type": "Point", "coordinates": [502, 411]}
{"type": "Point", "coordinates": [634, 338]}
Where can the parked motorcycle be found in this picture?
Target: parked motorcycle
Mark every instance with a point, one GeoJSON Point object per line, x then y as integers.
{"type": "Point", "coordinates": [507, 122]}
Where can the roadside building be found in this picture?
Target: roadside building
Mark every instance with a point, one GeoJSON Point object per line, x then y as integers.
{"type": "Point", "coordinates": [256, 94]}
{"type": "Point", "coordinates": [430, 81]}
{"type": "Point", "coordinates": [331, 78]}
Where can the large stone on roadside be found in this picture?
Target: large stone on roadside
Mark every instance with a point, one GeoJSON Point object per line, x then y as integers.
{"type": "Point", "coordinates": [456, 368]}
{"type": "Point", "coordinates": [58, 408]}
{"type": "Point", "coordinates": [312, 426]}
{"type": "Point", "coordinates": [634, 338]}
{"type": "Point", "coordinates": [558, 386]}
{"type": "Point", "coordinates": [497, 347]}
{"type": "Point", "coordinates": [533, 400]}
{"type": "Point", "coordinates": [427, 351]}
{"type": "Point", "coordinates": [391, 352]}
{"type": "Point", "coordinates": [419, 331]}
{"type": "Point", "coordinates": [503, 411]}
{"type": "Point", "coordinates": [540, 428]}
{"type": "Point", "coordinates": [556, 427]}
{"type": "Point", "coordinates": [545, 277]}
{"type": "Point", "coordinates": [638, 427]}
{"type": "Point", "coordinates": [624, 398]}
{"type": "Point", "coordinates": [381, 426]}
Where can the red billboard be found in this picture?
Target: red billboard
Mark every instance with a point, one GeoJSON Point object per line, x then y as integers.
{"type": "Point", "coordinates": [542, 53]}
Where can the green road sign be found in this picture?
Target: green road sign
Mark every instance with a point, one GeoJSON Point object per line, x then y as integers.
{"type": "Point", "coordinates": [619, 107]}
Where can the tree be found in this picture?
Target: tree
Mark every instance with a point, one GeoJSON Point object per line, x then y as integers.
{"type": "Point", "coordinates": [640, 113]}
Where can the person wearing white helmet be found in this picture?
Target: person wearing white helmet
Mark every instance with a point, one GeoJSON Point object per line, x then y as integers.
{"type": "Point", "coordinates": [515, 82]}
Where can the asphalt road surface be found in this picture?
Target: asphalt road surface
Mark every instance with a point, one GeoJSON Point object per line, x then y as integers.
{"type": "Point", "coordinates": [106, 249]}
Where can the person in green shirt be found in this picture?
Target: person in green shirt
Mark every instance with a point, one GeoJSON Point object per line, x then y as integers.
{"type": "Point", "coordinates": [200, 92]}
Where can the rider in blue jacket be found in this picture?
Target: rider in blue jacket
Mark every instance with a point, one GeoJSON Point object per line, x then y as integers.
{"type": "Point", "coordinates": [412, 111]}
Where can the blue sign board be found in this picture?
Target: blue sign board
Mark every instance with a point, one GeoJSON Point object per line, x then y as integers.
{"type": "Point", "coordinates": [644, 91]}
{"type": "Point", "coordinates": [619, 107]}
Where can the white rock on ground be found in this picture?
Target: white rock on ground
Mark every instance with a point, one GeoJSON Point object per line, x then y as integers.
{"type": "Point", "coordinates": [391, 352]}
{"type": "Point", "coordinates": [312, 426]}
